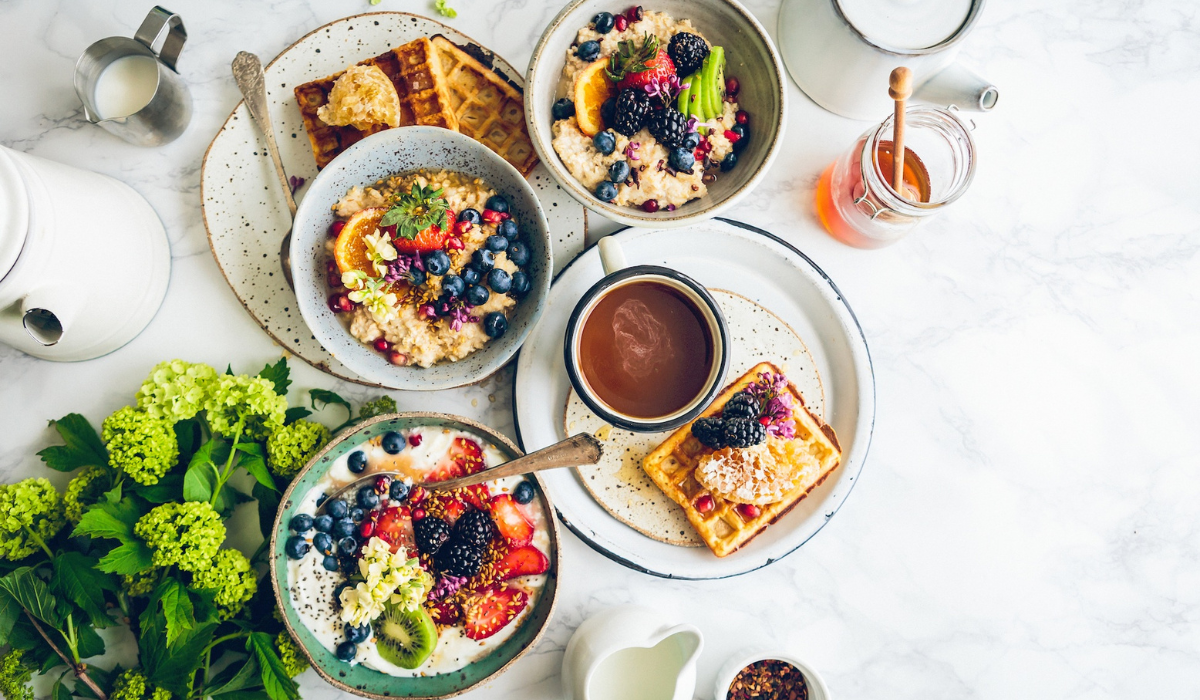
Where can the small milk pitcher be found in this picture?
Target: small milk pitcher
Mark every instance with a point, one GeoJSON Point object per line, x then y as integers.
{"type": "Point", "coordinates": [131, 89]}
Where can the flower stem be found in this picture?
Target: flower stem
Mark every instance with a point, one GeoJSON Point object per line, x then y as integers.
{"type": "Point", "coordinates": [229, 463]}
{"type": "Point", "coordinates": [38, 539]}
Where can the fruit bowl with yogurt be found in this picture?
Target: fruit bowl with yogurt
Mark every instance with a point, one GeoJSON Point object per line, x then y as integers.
{"type": "Point", "coordinates": [394, 589]}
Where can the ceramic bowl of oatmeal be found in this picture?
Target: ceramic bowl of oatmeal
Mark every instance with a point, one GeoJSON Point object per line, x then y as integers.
{"type": "Point", "coordinates": [662, 114]}
{"type": "Point", "coordinates": [421, 259]}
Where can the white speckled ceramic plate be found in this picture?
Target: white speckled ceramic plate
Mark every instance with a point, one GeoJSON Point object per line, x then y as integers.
{"type": "Point", "coordinates": [244, 210]}
{"type": "Point", "coordinates": [754, 264]}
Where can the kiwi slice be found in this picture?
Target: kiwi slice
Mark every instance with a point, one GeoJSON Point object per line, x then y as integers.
{"type": "Point", "coordinates": [714, 73]}
{"type": "Point", "coordinates": [404, 638]}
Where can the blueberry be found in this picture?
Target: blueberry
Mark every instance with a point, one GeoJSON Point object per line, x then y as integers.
{"type": "Point", "coordinates": [606, 191]}
{"type": "Point", "coordinates": [563, 109]}
{"type": "Point", "coordinates": [499, 281]}
{"type": "Point", "coordinates": [358, 635]}
{"type": "Point", "coordinates": [470, 275]}
{"type": "Point", "coordinates": [518, 253]}
{"type": "Point", "coordinates": [357, 515]}
{"type": "Point", "coordinates": [681, 159]}
{"type": "Point", "coordinates": [521, 284]}
{"type": "Point", "coordinates": [437, 262]}
{"type": "Point", "coordinates": [605, 142]}
{"type": "Point", "coordinates": [392, 442]}
{"type": "Point", "coordinates": [323, 523]}
{"type": "Point", "coordinates": [337, 509]}
{"type": "Point", "coordinates": [523, 493]}
{"type": "Point", "coordinates": [497, 203]}
{"type": "Point", "coordinates": [301, 523]}
{"type": "Point", "coordinates": [417, 277]}
{"type": "Point", "coordinates": [357, 461]}
{"type": "Point", "coordinates": [367, 498]}
{"type": "Point", "coordinates": [347, 546]}
{"type": "Point", "coordinates": [323, 542]}
{"type": "Point", "coordinates": [691, 140]}
{"type": "Point", "coordinates": [608, 111]}
{"type": "Point", "coordinates": [618, 171]}
{"type": "Point", "coordinates": [728, 163]}
{"type": "Point", "coordinates": [494, 324]}
{"type": "Point", "coordinates": [588, 51]}
{"type": "Point", "coordinates": [742, 142]}
{"type": "Point", "coordinates": [477, 295]}
{"type": "Point", "coordinates": [508, 228]}
{"type": "Point", "coordinates": [470, 215]}
{"type": "Point", "coordinates": [399, 490]}
{"type": "Point", "coordinates": [346, 651]}
{"type": "Point", "coordinates": [344, 528]}
{"type": "Point", "coordinates": [295, 547]}
{"type": "Point", "coordinates": [330, 563]}
{"type": "Point", "coordinates": [321, 499]}
{"type": "Point", "coordinates": [337, 591]}
{"type": "Point", "coordinates": [603, 23]}
{"type": "Point", "coordinates": [484, 259]}
{"type": "Point", "coordinates": [496, 243]}
{"type": "Point", "coordinates": [453, 285]}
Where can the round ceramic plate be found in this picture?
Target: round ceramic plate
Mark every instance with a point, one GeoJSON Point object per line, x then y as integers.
{"type": "Point", "coordinates": [754, 264]}
{"type": "Point", "coordinates": [359, 679]}
{"type": "Point", "coordinates": [244, 209]}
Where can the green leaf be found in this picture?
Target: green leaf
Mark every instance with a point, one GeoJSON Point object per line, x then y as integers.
{"type": "Point", "coordinates": [187, 434]}
{"type": "Point", "coordinates": [110, 520]}
{"type": "Point", "coordinates": [59, 691]}
{"type": "Point", "coordinates": [246, 676]}
{"type": "Point", "coordinates": [113, 495]}
{"type": "Point", "coordinates": [325, 397]}
{"type": "Point", "coordinates": [130, 558]}
{"type": "Point", "coordinates": [229, 370]}
{"type": "Point", "coordinates": [277, 374]}
{"type": "Point", "coordinates": [244, 695]}
{"type": "Point", "coordinates": [199, 481]}
{"type": "Point", "coordinates": [268, 505]}
{"type": "Point", "coordinates": [294, 414]}
{"type": "Point", "coordinates": [173, 667]}
{"type": "Point", "coordinates": [32, 594]}
{"type": "Point", "coordinates": [100, 677]}
{"type": "Point", "coordinates": [169, 488]}
{"type": "Point", "coordinates": [253, 461]}
{"type": "Point", "coordinates": [171, 601]}
{"type": "Point", "coordinates": [90, 643]}
{"type": "Point", "coordinates": [274, 676]}
{"type": "Point", "coordinates": [83, 447]}
{"type": "Point", "coordinates": [76, 578]}
{"type": "Point", "coordinates": [10, 611]}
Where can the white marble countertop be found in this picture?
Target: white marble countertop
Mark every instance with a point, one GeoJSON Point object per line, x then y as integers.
{"type": "Point", "coordinates": [1026, 525]}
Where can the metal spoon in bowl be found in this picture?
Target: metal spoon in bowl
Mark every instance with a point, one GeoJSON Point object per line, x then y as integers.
{"type": "Point", "coordinates": [248, 72]}
{"type": "Point", "coordinates": [572, 452]}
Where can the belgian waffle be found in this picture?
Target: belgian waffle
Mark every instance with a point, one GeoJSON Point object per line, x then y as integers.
{"type": "Point", "coordinates": [723, 529]}
{"type": "Point", "coordinates": [417, 74]}
{"type": "Point", "coordinates": [488, 108]}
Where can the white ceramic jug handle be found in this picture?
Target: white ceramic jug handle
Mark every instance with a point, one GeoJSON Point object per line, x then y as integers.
{"type": "Point", "coordinates": [960, 86]}
{"type": "Point", "coordinates": [611, 255]}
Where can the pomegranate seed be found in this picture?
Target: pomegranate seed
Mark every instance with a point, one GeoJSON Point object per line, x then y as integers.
{"type": "Point", "coordinates": [622, 23]}
{"type": "Point", "coordinates": [742, 116]}
{"type": "Point", "coordinates": [463, 227]}
{"type": "Point", "coordinates": [331, 266]}
{"type": "Point", "coordinates": [704, 503]}
{"type": "Point", "coordinates": [336, 228]}
{"type": "Point", "coordinates": [416, 495]}
{"type": "Point", "coordinates": [455, 244]}
{"type": "Point", "coordinates": [748, 511]}
{"type": "Point", "coordinates": [733, 138]}
{"type": "Point", "coordinates": [732, 86]}
{"type": "Point", "coordinates": [397, 358]}
{"type": "Point", "coordinates": [340, 303]}
{"type": "Point", "coordinates": [382, 345]}
{"type": "Point", "coordinates": [634, 14]}
{"type": "Point", "coordinates": [367, 528]}
{"type": "Point", "coordinates": [414, 439]}
{"type": "Point", "coordinates": [505, 216]}
{"type": "Point", "coordinates": [382, 484]}
{"type": "Point", "coordinates": [764, 420]}
{"type": "Point", "coordinates": [651, 205]}
{"type": "Point", "coordinates": [492, 216]}
{"type": "Point", "coordinates": [418, 514]}
{"type": "Point", "coordinates": [334, 279]}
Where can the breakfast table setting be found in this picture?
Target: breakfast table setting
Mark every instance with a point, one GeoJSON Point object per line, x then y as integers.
{"type": "Point", "coordinates": [720, 349]}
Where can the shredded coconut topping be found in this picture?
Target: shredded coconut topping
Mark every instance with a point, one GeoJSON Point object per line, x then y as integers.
{"type": "Point", "coordinates": [750, 475]}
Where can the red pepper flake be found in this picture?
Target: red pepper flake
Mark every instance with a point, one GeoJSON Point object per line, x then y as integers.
{"type": "Point", "coordinates": [770, 679]}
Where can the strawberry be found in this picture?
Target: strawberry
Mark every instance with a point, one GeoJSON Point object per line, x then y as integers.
{"type": "Point", "coordinates": [477, 495]}
{"type": "Point", "coordinates": [465, 457]}
{"type": "Point", "coordinates": [432, 238]}
{"type": "Point", "coordinates": [489, 610]}
{"type": "Point", "coordinates": [445, 612]}
{"type": "Point", "coordinates": [634, 66]}
{"type": "Point", "coordinates": [454, 510]}
{"type": "Point", "coordinates": [523, 561]}
{"type": "Point", "coordinates": [511, 522]}
{"type": "Point", "coordinates": [395, 529]}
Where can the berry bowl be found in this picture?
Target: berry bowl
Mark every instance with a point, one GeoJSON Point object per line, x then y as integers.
{"type": "Point", "coordinates": [395, 590]}
{"type": "Point", "coordinates": [752, 80]}
{"type": "Point", "coordinates": [432, 338]}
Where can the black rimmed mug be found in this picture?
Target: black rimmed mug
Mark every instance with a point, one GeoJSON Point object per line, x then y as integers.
{"type": "Point", "coordinates": [619, 274]}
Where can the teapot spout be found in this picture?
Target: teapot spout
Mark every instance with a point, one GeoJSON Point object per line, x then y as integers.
{"type": "Point", "coordinates": [959, 86]}
{"type": "Point", "coordinates": [46, 315]}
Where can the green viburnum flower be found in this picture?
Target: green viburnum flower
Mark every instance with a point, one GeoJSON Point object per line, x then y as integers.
{"type": "Point", "coordinates": [186, 535]}
{"type": "Point", "coordinates": [381, 405]}
{"type": "Point", "coordinates": [294, 662]}
{"type": "Point", "coordinates": [142, 446]}
{"type": "Point", "coordinates": [140, 585]}
{"type": "Point", "coordinates": [29, 510]}
{"type": "Point", "coordinates": [176, 390]}
{"type": "Point", "coordinates": [376, 297]}
{"type": "Point", "coordinates": [82, 491]}
{"type": "Point", "coordinates": [251, 401]}
{"type": "Point", "coordinates": [289, 448]}
{"type": "Point", "coordinates": [133, 685]}
{"type": "Point", "coordinates": [14, 677]}
{"type": "Point", "coordinates": [233, 579]}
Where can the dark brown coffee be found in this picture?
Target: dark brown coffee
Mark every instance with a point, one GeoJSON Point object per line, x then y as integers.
{"type": "Point", "coordinates": [646, 350]}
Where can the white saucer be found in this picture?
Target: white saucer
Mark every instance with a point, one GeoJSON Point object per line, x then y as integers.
{"type": "Point", "coordinates": [755, 264]}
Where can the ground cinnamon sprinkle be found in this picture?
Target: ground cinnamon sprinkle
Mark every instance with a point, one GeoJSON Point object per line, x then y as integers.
{"type": "Point", "coordinates": [769, 680]}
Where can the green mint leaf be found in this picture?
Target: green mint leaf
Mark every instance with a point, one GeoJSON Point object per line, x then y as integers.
{"type": "Point", "coordinates": [268, 505]}
{"type": "Point", "coordinates": [274, 676]}
{"type": "Point", "coordinates": [254, 461]}
{"type": "Point", "coordinates": [32, 594]}
{"type": "Point", "coordinates": [294, 414]}
{"type": "Point", "coordinates": [130, 558]}
{"type": "Point", "coordinates": [76, 578]}
{"type": "Point", "coordinates": [277, 374]}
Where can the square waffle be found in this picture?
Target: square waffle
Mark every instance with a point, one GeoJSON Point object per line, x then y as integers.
{"type": "Point", "coordinates": [672, 465]}
{"type": "Point", "coordinates": [417, 74]}
{"type": "Point", "coordinates": [488, 108]}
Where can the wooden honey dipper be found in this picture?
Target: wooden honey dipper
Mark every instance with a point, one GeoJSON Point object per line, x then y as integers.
{"type": "Point", "coordinates": [900, 89]}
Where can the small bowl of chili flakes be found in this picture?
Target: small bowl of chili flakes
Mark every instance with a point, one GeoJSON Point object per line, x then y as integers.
{"type": "Point", "coordinates": [763, 675]}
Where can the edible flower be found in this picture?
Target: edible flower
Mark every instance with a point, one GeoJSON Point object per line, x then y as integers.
{"type": "Point", "coordinates": [386, 578]}
{"type": "Point", "coordinates": [353, 279]}
{"type": "Point", "coordinates": [460, 314]}
{"type": "Point", "coordinates": [775, 402]}
{"type": "Point", "coordinates": [375, 296]}
{"type": "Point", "coordinates": [665, 89]}
{"type": "Point", "coordinates": [447, 586]}
{"type": "Point", "coordinates": [380, 251]}
{"type": "Point", "coordinates": [401, 269]}
{"type": "Point", "coordinates": [631, 150]}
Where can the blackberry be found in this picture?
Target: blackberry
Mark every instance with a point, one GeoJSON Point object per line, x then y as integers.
{"type": "Point", "coordinates": [742, 405]}
{"type": "Point", "coordinates": [668, 126]}
{"type": "Point", "coordinates": [744, 432]}
{"type": "Point", "coordinates": [458, 558]}
{"type": "Point", "coordinates": [710, 432]}
{"type": "Point", "coordinates": [631, 111]}
{"type": "Point", "coordinates": [688, 52]}
{"type": "Point", "coordinates": [431, 533]}
{"type": "Point", "coordinates": [475, 528]}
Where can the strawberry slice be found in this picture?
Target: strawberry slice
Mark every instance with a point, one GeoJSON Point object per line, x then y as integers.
{"type": "Point", "coordinates": [477, 495]}
{"type": "Point", "coordinates": [489, 610]}
{"type": "Point", "coordinates": [468, 454]}
{"type": "Point", "coordinates": [396, 529]}
{"type": "Point", "coordinates": [445, 612]}
{"type": "Point", "coordinates": [454, 510]}
{"type": "Point", "coordinates": [511, 521]}
{"type": "Point", "coordinates": [523, 561]}
{"type": "Point", "coordinates": [432, 238]}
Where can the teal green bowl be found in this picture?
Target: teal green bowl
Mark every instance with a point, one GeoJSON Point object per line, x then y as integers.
{"type": "Point", "coordinates": [370, 683]}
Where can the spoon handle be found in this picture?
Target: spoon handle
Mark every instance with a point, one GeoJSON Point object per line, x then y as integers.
{"type": "Point", "coordinates": [248, 72]}
{"type": "Point", "coordinates": [572, 452]}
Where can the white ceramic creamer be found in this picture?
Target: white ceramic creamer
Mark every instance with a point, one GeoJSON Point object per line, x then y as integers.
{"type": "Point", "coordinates": [840, 53]}
{"type": "Point", "coordinates": [84, 260]}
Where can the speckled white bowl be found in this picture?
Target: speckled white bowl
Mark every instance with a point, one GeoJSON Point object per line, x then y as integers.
{"type": "Point", "coordinates": [751, 58]}
{"type": "Point", "coordinates": [399, 151]}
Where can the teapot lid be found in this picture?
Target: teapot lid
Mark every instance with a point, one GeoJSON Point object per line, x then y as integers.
{"type": "Point", "coordinates": [908, 25]}
{"type": "Point", "coordinates": [14, 212]}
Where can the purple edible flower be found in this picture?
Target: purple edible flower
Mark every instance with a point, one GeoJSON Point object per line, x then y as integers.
{"type": "Point", "coordinates": [692, 123]}
{"type": "Point", "coordinates": [427, 311]}
{"type": "Point", "coordinates": [460, 313]}
{"type": "Point", "coordinates": [631, 150]}
{"type": "Point", "coordinates": [446, 586]}
{"type": "Point", "coordinates": [771, 390]}
{"type": "Point", "coordinates": [402, 266]}
{"type": "Point", "coordinates": [665, 89]}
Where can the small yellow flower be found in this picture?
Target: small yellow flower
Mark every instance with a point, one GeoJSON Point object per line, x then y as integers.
{"type": "Point", "coordinates": [353, 279]}
{"type": "Point", "coordinates": [391, 578]}
{"type": "Point", "coordinates": [380, 251]}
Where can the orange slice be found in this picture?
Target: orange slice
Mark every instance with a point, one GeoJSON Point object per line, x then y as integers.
{"type": "Point", "coordinates": [350, 250]}
{"type": "Point", "coordinates": [592, 88]}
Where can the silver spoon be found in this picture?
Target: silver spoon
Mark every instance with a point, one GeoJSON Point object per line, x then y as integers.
{"type": "Point", "coordinates": [572, 452]}
{"type": "Point", "coordinates": [248, 72]}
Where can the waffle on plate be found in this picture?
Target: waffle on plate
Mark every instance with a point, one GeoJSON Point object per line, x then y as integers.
{"type": "Point", "coordinates": [723, 528]}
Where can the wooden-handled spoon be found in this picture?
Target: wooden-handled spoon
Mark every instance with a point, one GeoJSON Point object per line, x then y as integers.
{"type": "Point", "coordinates": [900, 89]}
